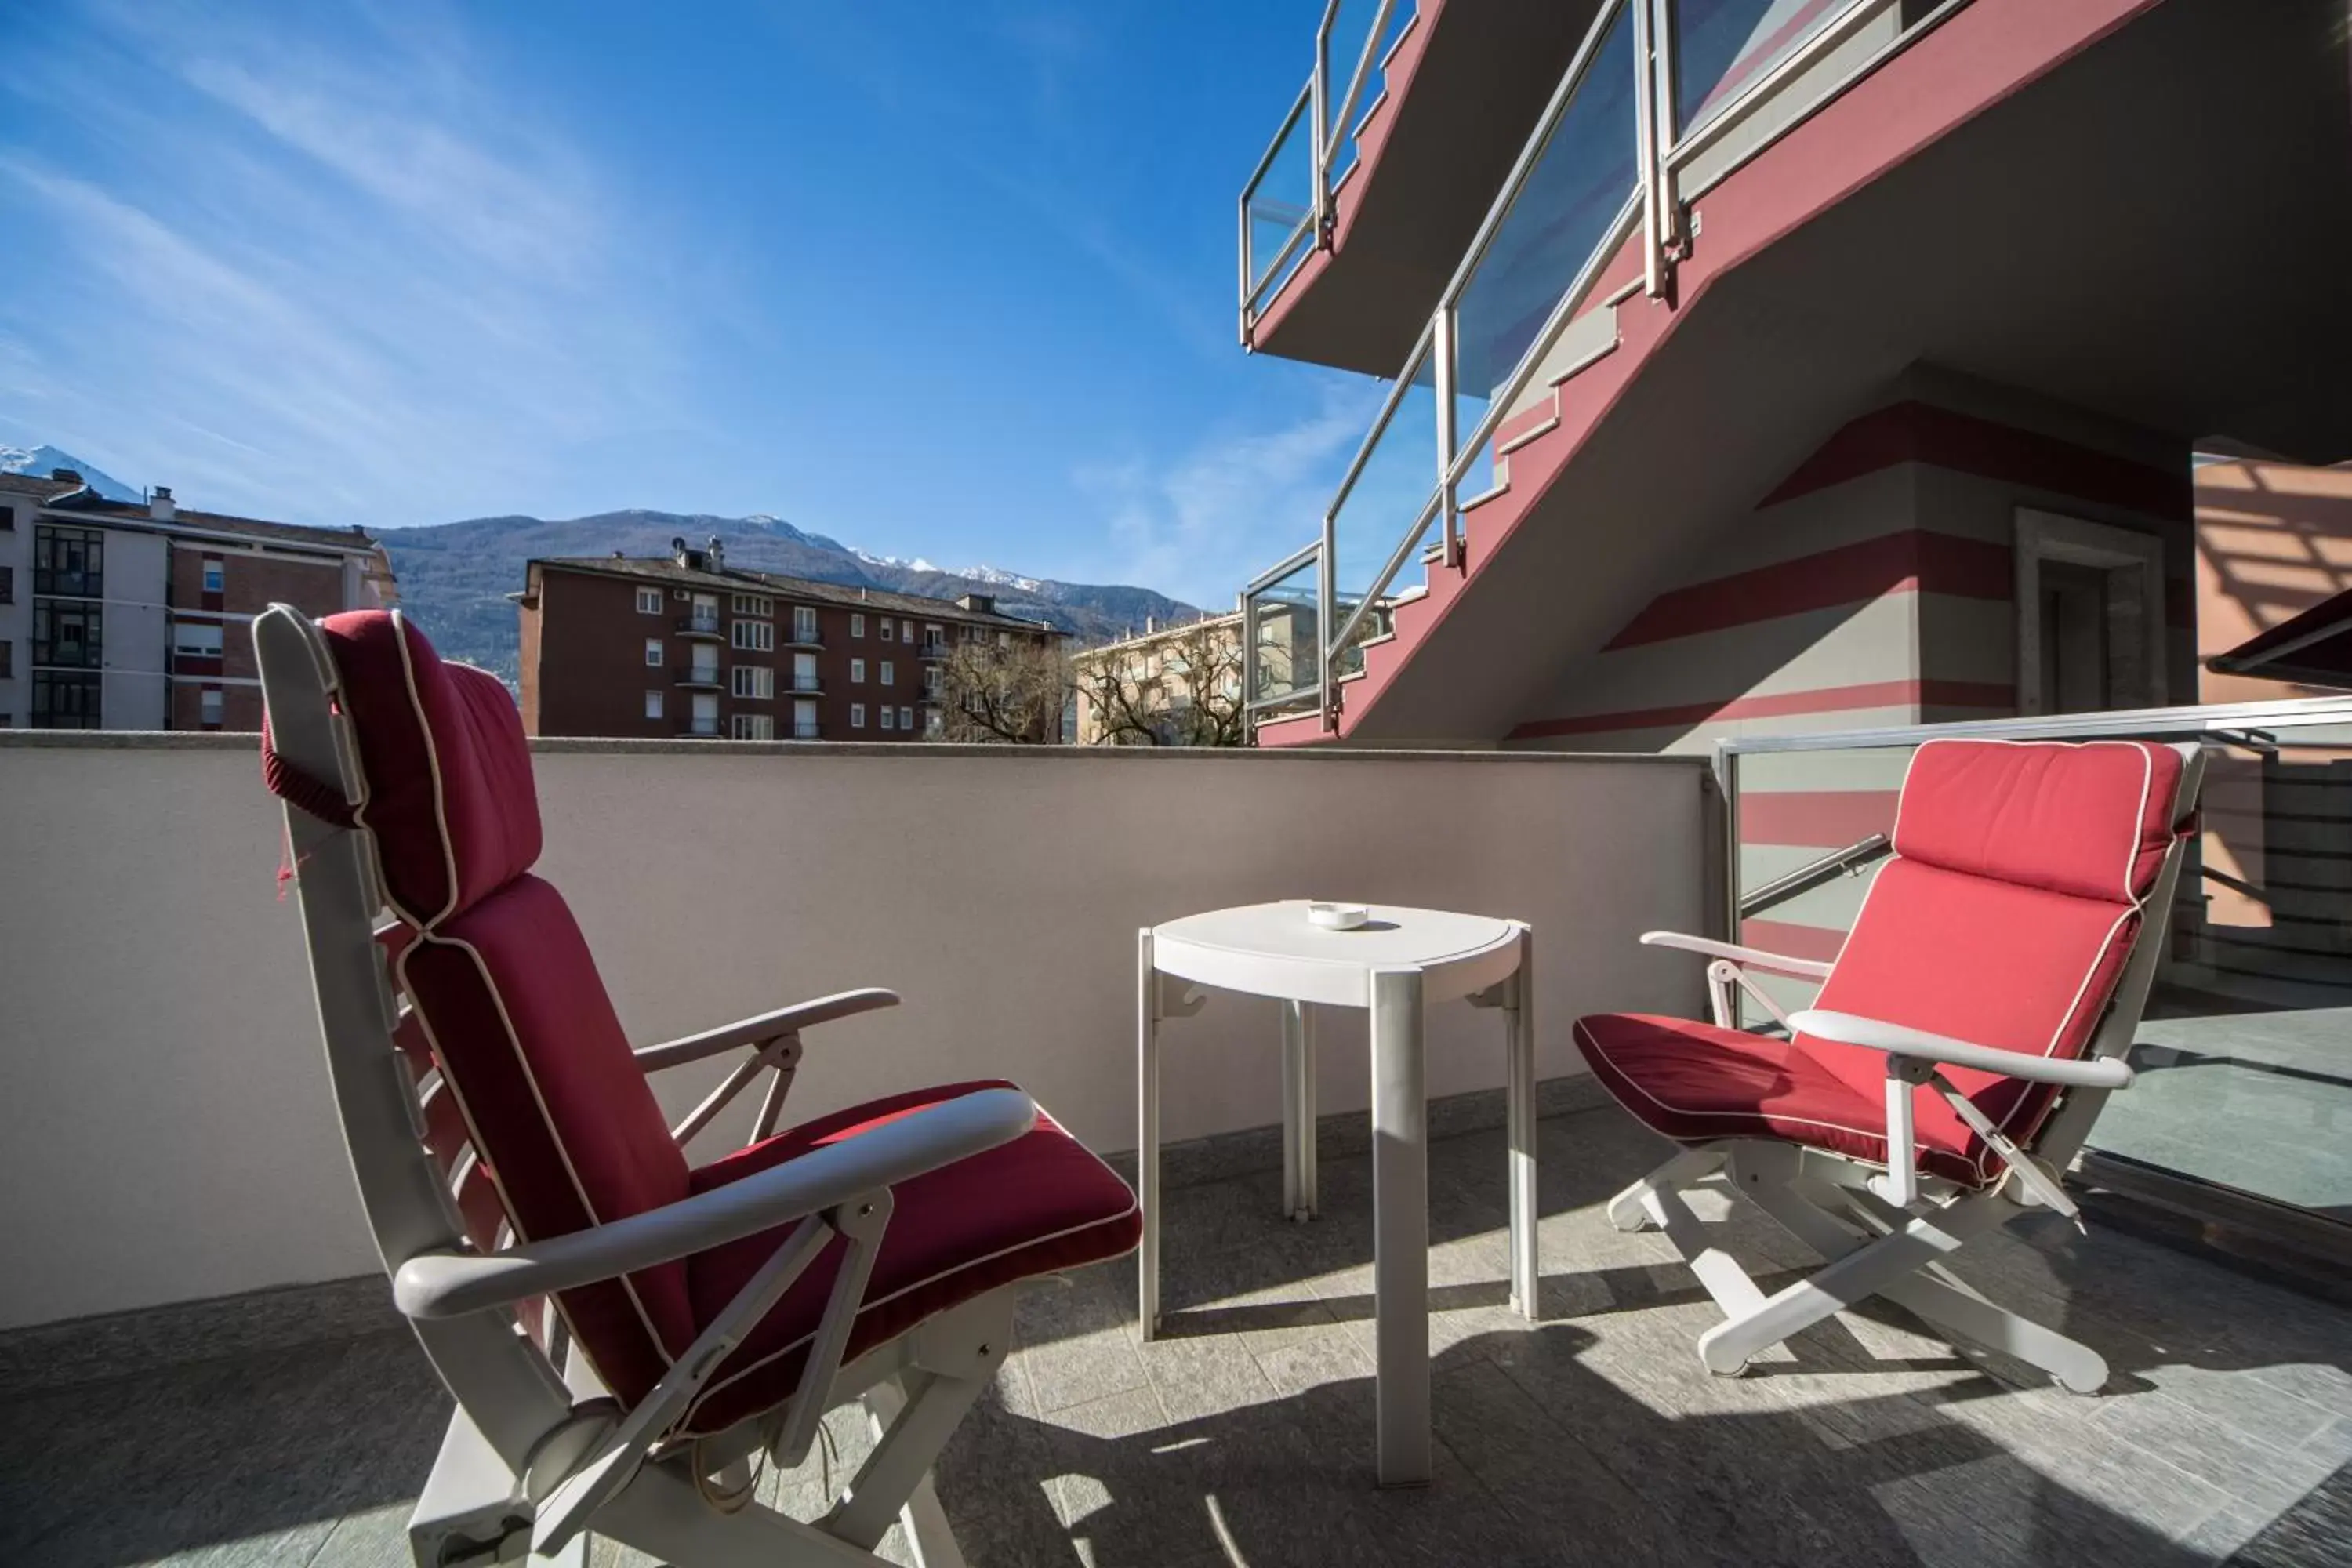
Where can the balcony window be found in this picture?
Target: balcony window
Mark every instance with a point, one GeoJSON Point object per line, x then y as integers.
{"type": "Point", "coordinates": [69, 561]}
{"type": "Point", "coordinates": [757, 637]}
{"type": "Point", "coordinates": [649, 601]}
{"type": "Point", "coordinates": [68, 636]}
{"type": "Point", "coordinates": [803, 624]}
{"type": "Point", "coordinates": [755, 727]}
{"type": "Point", "coordinates": [62, 701]}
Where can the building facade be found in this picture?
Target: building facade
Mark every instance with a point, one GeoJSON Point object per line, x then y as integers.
{"type": "Point", "coordinates": [131, 615]}
{"type": "Point", "coordinates": [687, 645]}
{"type": "Point", "coordinates": [1172, 686]}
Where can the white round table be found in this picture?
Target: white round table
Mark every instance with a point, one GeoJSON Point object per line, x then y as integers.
{"type": "Point", "coordinates": [1394, 966]}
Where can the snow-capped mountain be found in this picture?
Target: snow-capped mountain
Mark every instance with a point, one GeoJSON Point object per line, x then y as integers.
{"type": "Point", "coordinates": [42, 459]}
{"type": "Point", "coordinates": [1004, 579]}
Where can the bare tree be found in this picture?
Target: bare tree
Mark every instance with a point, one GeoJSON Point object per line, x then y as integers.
{"type": "Point", "coordinates": [1181, 688]}
{"type": "Point", "coordinates": [1005, 694]}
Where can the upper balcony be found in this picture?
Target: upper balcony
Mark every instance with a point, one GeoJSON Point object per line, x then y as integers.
{"type": "Point", "coordinates": [209, 1286]}
{"type": "Point", "coordinates": [1733, 224]}
{"type": "Point", "coordinates": [1389, 155]}
{"type": "Point", "coordinates": [702, 625]}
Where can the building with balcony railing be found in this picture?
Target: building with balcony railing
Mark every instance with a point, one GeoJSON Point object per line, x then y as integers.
{"type": "Point", "coordinates": [690, 644]}
{"type": "Point", "coordinates": [132, 614]}
{"type": "Point", "coordinates": [1734, 417]}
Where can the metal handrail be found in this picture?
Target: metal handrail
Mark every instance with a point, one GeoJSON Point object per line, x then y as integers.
{"type": "Point", "coordinates": [2126, 723]}
{"type": "Point", "coordinates": [1837, 863]}
{"type": "Point", "coordinates": [1339, 126]}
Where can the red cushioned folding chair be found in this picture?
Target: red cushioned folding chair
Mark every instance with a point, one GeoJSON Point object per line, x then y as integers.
{"type": "Point", "coordinates": [1963, 1043]}
{"type": "Point", "coordinates": [623, 1332]}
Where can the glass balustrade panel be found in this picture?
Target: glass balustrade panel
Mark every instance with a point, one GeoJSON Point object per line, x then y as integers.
{"type": "Point", "coordinates": [1722, 45]}
{"type": "Point", "coordinates": [1394, 485]}
{"type": "Point", "coordinates": [1563, 211]}
{"type": "Point", "coordinates": [1284, 625]}
{"type": "Point", "coordinates": [1280, 204]}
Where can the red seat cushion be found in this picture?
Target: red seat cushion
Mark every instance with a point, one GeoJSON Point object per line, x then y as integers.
{"type": "Point", "coordinates": [1697, 1083]}
{"type": "Point", "coordinates": [1038, 1205]}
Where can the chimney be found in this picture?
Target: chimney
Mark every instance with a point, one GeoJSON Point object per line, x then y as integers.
{"type": "Point", "coordinates": [718, 554]}
{"type": "Point", "coordinates": [160, 505]}
{"type": "Point", "coordinates": [1151, 625]}
{"type": "Point", "coordinates": [66, 476]}
{"type": "Point", "coordinates": [979, 604]}
{"type": "Point", "coordinates": [689, 559]}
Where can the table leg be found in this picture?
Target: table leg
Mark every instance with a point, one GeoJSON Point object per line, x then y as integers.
{"type": "Point", "coordinates": [1520, 1018]}
{"type": "Point", "coordinates": [1401, 1227]}
{"type": "Point", "coordinates": [1292, 1027]}
{"type": "Point", "coordinates": [1308, 1200]}
{"type": "Point", "coordinates": [1147, 1134]}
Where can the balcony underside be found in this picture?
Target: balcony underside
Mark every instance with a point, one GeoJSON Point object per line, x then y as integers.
{"type": "Point", "coordinates": [1243, 1434]}
{"type": "Point", "coordinates": [1466, 87]}
{"type": "Point", "coordinates": [2154, 231]}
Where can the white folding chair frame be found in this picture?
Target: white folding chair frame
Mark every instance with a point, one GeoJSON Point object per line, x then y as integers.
{"type": "Point", "coordinates": [1885, 1230]}
{"type": "Point", "coordinates": [537, 1455]}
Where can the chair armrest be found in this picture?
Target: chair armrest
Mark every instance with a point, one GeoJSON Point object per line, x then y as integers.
{"type": "Point", "coordinates": [448, 1284]}
{"type": "Point", "coordinates": [1875, 1033]}
{"type": "Point", "coordinates": [1751, 957]}
{"type": "Point", "coordinates": [764, 1027]}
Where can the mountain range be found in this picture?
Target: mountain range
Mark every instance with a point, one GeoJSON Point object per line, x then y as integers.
{"type": "Point", "coordinates": [454, 576]}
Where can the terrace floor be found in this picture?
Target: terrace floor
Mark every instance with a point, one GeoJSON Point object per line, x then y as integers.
{"type": "Point", "coordinates": [1244, 1436]}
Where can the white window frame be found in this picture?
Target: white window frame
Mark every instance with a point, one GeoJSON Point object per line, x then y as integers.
{"type": "Point", "coordinates": [858, 672]}
{"type": "Point", "coordinates": [753, 604]}
{"type": "Point", "coordinates": [2051, 536]}
{"type": "Point", "coordinates": [887, 624]}
{"type": "Point", "coordinates": [753, 637]}
{"type": "Point", "coordinates": [653, 653]}
{"type": "Point", "coordinates": [198, 649]}
{"type": "Point", "coordinates": [805, 625]}
{"type": "Point", "coordinates": [906, 720]}
{"type": "Point", "coordinates": [212, 703]}
{"type": "Point", "coordinates": [906, 631]}
{"type": "Point", "coordinates": [857, 626]}
{"type": "Point", "coordinates": [649, 601]}
{"type": "Point", "coordinates": [216, 578]}
{"type": "Point", "coordinates": [756, 681]}
{"type": "Point", "coordinates": [889, 715]}
{"type": "Point", "coordinates": [858, 715]}
{"type": "Point", "coordinates": [753, 727]}
{"type": "Point", "coordinates": [652, 704]}
{"type": "Point", "coordinates": [889, 673]}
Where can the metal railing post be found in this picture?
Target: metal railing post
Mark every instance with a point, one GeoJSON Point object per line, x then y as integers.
{"type": "Point", "coordinates": [1661, 116]}
{"type": "Point", "coordinates": [1326, 694]}
{"type": "Point", "coordinates": [1241, 305]}
{"type": "Point", "coordinates": [1248, 606]}
{"type": "Point", "coordinates": [1646, 148]}
{"type": "Point", "coordinates": [1441, 345]}
{"type": "Point", "coordinates": [1319, 97]}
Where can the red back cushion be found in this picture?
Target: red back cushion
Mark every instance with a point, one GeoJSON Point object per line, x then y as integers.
{"type": "Point", "coordinates": [516, 1014]}
{"type": "Point", "coordinates": [450, 799]}
{"type": "Point", "coordinates": [2007, 915]}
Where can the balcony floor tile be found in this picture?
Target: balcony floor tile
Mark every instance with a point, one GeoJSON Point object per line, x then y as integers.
{"type": "Point", "coordinates": [1244, 1435]}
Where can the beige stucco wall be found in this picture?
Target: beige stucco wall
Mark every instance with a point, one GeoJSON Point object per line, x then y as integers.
{"type": "Point", "coordinates": [170, 1133]}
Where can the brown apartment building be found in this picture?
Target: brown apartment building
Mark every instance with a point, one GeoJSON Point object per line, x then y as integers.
{"type": "Point", "coordinates": [687, 645]}
{"type": "Point", "coordinates": [132, 614]}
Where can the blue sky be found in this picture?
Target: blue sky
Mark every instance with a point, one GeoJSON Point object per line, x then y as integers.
{"type": "Point", "coordinates": [943, 281]}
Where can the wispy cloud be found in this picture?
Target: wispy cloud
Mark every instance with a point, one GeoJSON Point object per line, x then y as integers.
{"type": "Point", "coordinates": [315, 274]}
{"type": "Point", "coordinates": [1203, 525]}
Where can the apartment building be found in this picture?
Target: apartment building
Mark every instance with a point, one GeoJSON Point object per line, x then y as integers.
{"type": "Point", "coordinates": [687, 644]}
{"type": "Point", "coordinates": [1804, 364]}
{"type": "Point", "coordinates": [1169, 685]}
{"type": "Point", "coordinates": [131, 616]}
